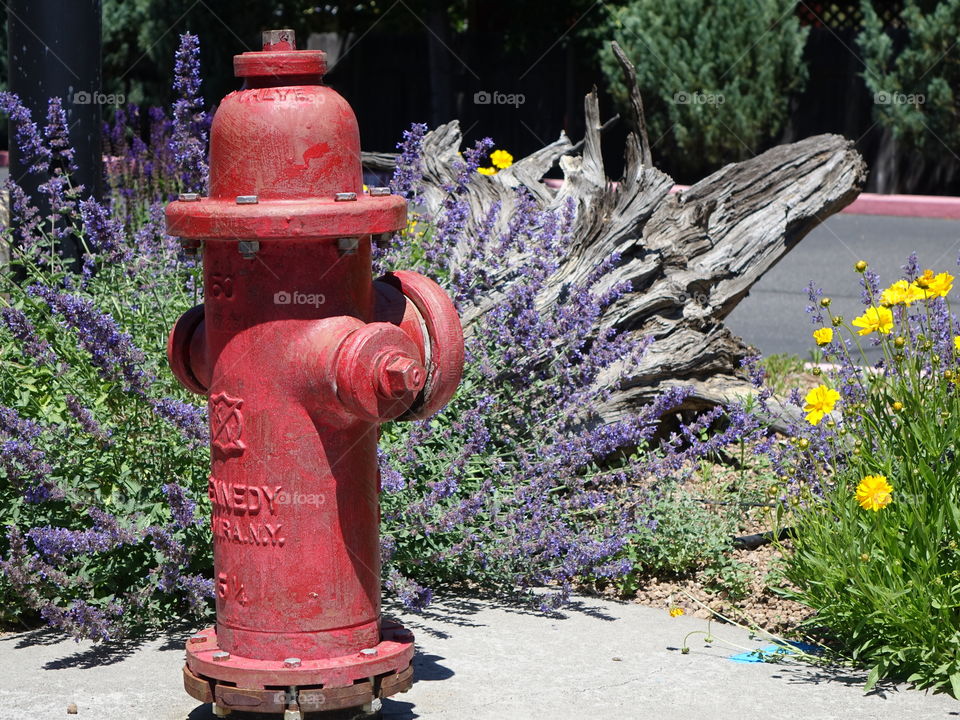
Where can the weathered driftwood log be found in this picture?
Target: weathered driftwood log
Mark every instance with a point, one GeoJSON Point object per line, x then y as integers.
{"type": "Point", "coordinates": [691, 256]}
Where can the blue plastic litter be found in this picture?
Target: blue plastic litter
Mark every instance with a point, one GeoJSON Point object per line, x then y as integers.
{"type": "Point", "coordinates": [755, 655]}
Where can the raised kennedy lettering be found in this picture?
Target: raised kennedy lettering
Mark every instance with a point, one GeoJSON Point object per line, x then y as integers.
{"type": "Point", "coordinates": [240, 499]}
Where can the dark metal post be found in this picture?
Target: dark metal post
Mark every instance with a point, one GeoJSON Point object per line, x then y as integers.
{"type": "Point", "coordinates": [54, 51]}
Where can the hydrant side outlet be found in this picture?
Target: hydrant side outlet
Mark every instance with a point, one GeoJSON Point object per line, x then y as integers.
{"type": "Point", "coordinates": [301, 356]}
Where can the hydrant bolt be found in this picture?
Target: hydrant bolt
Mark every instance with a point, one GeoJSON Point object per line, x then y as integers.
{"type": "Point", "coordinates": [248, 249]}
{"type": "Point", "coordinates": [348, 245]}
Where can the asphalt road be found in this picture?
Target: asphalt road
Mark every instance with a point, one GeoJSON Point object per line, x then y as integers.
{"type": "Point", "coordinates": [773, 317]}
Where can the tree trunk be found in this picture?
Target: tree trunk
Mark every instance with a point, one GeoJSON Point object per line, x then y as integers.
{"type": "Point", "coordinates": [690, 256]}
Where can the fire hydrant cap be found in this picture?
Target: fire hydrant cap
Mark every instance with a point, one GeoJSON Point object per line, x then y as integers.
{"type": "Point", "coordinates": [273, 63]}
{"type": "Point", "coordinates": [280, 57]}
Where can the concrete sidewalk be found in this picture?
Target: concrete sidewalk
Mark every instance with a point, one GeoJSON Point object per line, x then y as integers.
{"type": "Point", "coordinates": [482, 661]}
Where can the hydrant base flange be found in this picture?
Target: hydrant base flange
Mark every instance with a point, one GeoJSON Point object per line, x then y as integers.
{"type": "Point", "coordinates": [262, 686]}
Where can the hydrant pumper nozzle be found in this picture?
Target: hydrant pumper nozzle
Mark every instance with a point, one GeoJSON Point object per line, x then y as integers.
{"type": "Point", "coordinates": [301, 356]}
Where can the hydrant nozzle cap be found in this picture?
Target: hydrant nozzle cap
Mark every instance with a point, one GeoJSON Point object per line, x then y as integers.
{"type": "Point", "coordinates": [280, 57]}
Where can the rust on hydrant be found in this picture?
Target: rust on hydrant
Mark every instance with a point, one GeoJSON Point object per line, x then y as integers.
{"type": "Point", "coordinates": [301, 356]}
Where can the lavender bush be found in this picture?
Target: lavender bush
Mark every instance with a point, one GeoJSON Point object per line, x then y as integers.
{"type": "Point", "coordinates": [514, 485]}
{"type": "Point", "coordinates": [103, 455]}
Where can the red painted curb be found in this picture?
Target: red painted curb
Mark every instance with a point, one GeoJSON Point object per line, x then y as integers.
{"type": "Point", "coordinates": [942, 207]}
{"type": "Point", "coordinates": [921, 206]}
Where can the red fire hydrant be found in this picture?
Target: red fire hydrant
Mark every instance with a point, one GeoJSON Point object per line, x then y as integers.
{"type": "Point", "coordinates": [301, 356]}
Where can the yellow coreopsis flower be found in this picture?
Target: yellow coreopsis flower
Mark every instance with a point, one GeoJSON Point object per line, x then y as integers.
{"type": "Point", "coordinates": [956, 343]}
{"type": "Point", "coordinates": [874, 492]}
{"type": "Point", "coordinates": [901, 292]}
{"type": "Point", "coordinates": [820, 401]}
{"type": "Point", "coordinates": [823, 336]}
{"type": "Point", "coordinates": [676, 611]}
{"type": "Point", "coordinates": [487, 170]}
{"type": "Point", "coordinates": [501, 159]}
{"type": "Point", "coordinates": [931, 285]}
{"type": "Point", "coordinates": [878, 319]}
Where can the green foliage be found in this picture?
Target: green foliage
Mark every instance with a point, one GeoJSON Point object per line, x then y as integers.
{"type": "Point", "coordinates": [914, 87]}
{"type": "Point", "coordinates": [119, 454]}
{"type": "Point", "coordinates": [716, 77]}
{"type": "Point", "coordinates": [138, 42]}
{"type": "Point", "coordinates": [885, 578]}
{"type": "Point", "coordinates": [782, 369]}
{"type": "Point", "coordinates": [681, 536]}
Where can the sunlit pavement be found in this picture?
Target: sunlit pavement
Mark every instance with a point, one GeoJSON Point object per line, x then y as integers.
{"type": "Point", "coordinates": [483, 661]}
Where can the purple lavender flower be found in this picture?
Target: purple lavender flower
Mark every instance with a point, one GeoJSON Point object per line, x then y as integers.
{"type": "Point", "coordinates": [21, 459]}
{"type": "Point", "coordinates": [182, 507]}
{"type": "Point", "coordinates": [57, 135]}
{"type": "Point", "coordinates": [22, 329]}
{"type": "Point", "coordinates": [197, 591]}
{"type": "Point", "coordinates": [111, 350]}
{"type": "Point", "coordinates": [86, 419]}
{"type": "Point", "coordinates": [391, 480]}
{"type": "Point", "coordinates": [413, 595]}
{"type": "Point", "coordinates": [25, 218]}
{"type": "Point", "coordinates": [911, 271]}
{"type": "Point", "coordinates": [57, 543]}
{"type": "Point", "coordinates": [83, 620]}
{"type": "Point", "coordinates": [190, 125]}
{"type": "Point", "coordinates": [105, 234]}
{"type": "Point", "coordinates": [189, 419]}
{"type": "Point", "coordinates": [409, 171]}
{"type": "Point", "coordinates": [870, 282]}
{"type": "Point", "coordinates": [34, 152]}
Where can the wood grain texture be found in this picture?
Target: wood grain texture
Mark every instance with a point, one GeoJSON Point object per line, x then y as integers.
{"type": "Point", "coordinates": [690, 256]}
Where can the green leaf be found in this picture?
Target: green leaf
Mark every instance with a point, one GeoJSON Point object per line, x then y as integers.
{"type": "Point", "coordinates": [955, 684]}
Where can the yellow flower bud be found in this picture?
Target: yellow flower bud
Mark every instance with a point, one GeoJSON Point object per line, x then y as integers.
{"type": "Point", "coordinates": [865, 557]}
{"type": "Point", "coordinates": [816, 371]}
{"type": "Point", "coordinates": [803, 444]}
{"type": "Point", "coordinates": [825, 302]}
{"type": "Point", "coordinates": [899, 341]}
{"type": "Point", "coordinates": [897, 406]}
{"type": "Point", "coordinates": [860, 266]}
{"type": "Point", "coordinates": [948, 374]}
{"type": "Point", "coordinates": [837, 320]}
